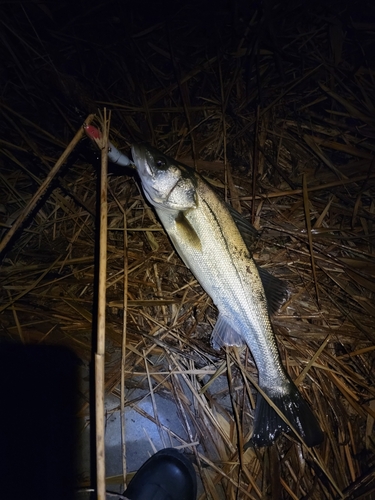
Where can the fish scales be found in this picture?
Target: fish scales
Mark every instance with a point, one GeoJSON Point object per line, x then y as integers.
{"type": "Point", "coordinates": [212, 240]}
{"type": "Point", "coordinates": [227, 272]}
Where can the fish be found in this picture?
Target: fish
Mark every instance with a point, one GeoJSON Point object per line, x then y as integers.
{"type": "Point", "coordinates": [214, 241]}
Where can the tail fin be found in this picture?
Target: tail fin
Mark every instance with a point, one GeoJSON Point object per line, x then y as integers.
{"type": "Point", "coordinates": [268, 425]}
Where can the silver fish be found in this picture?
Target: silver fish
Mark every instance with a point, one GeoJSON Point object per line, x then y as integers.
{"type": "Point", "coordinates": [213, 241]}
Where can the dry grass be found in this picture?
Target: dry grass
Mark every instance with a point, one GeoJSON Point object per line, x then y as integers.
{"type": "Point", "coordinates": [276, 108]}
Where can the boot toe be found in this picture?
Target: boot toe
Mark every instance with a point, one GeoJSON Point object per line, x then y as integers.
{"type": "Point", "coordinates": [167, 475]}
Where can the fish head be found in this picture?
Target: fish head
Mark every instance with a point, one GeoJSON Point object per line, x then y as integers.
{"type": "Point", "coordinates": [167, 183]}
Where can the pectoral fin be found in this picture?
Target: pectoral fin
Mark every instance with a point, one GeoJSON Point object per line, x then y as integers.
{"type": "Point", "coordinates": [224, 334]}
{"type": "Point", "coordinates": [186, 232]}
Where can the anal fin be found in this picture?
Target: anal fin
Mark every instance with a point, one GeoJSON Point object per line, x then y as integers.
{"type": "Point", "coordinates": [224, 334]}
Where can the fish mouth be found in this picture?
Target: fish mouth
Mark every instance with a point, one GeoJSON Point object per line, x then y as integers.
{"type": "Point", "coordinates": [139, 154]}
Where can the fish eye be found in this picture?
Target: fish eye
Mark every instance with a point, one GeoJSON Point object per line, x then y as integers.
{"type": "Point", "coordinates": [161, 163]}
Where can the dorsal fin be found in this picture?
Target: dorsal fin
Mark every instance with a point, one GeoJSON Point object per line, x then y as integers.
{"type": "Point", "coordinates": [248, 232]}
{"type": "Point", "coordinates": [275, 289]}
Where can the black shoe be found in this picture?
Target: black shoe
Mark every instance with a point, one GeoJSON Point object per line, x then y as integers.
{"type": "Point", "coordinates": [167, 475]}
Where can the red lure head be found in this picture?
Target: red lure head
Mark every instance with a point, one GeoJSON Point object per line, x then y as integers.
{"type": "Point", "coordinates": [92, 132]}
